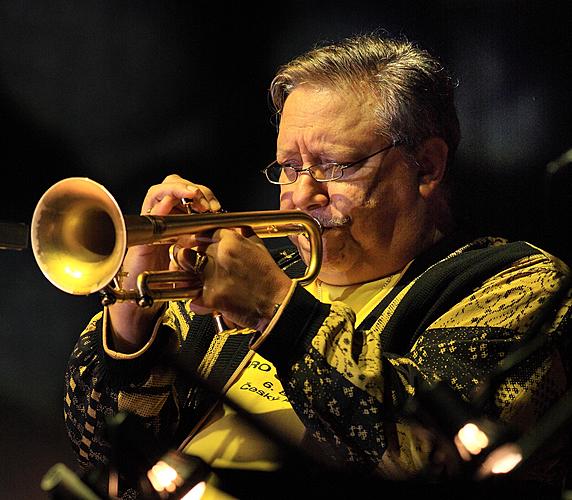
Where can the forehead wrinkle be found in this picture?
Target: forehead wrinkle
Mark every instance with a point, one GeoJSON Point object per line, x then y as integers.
{"type": "Point", "coordinates": [308, 140]}
{"type": "Point", "coordinates": [324, 129]}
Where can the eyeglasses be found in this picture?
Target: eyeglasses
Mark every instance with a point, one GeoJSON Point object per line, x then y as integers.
{"type": "Point", "coordinates": [326, 172]}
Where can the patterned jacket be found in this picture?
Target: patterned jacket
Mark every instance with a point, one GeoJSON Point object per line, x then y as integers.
{"type": "Point", "coordinates": [461, 315]}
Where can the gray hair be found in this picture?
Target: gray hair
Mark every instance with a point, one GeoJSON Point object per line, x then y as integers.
{"type": "Point", "coordinates": [413, 91]}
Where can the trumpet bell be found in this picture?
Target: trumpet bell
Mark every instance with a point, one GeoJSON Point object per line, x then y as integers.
{"type": "Point", "coordinates": [78, 236]}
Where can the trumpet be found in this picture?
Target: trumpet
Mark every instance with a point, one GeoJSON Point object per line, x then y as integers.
{"type": "Point", "coordinates": [79, 238]}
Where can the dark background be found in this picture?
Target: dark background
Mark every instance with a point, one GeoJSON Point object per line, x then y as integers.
{"type": "Point", "coordinates": [128, 92]}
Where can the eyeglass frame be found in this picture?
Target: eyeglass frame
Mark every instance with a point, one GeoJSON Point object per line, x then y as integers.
{"type": "Point", "coordinates": [342, 167]}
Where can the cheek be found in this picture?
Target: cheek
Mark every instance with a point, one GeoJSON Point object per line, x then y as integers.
{"type": "Point", "coordinates": [286, 202]}
{"type": "Point", "coordinates": [391, 210]}
{"type": "Point", "coordinates": [375, 212]}
{"type": "Point", "coordinates": [350, 201]}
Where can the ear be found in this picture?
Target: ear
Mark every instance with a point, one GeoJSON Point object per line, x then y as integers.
{"type": "Point", "coordinates": [432, 163]}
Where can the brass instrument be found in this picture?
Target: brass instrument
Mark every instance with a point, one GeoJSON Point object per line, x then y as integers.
{"type": "Point", "coordinates": [79, 238]}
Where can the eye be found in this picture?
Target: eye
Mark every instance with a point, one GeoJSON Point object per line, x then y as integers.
{"type": "Point", "coordinates": [289, 164]}
{"type": "Point", "coordinates": [325, 171]}
{"type": "Point", "coordinates": [349, 169]}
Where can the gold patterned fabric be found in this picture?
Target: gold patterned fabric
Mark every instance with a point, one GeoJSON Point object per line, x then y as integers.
{"type": "Point", "coordinates": [349, 385]}
{"type": "Point", "coordinates": [450, 319]}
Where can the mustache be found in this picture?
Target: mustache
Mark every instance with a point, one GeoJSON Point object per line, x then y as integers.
{"type": "Point", "coordinates": [329, 221]}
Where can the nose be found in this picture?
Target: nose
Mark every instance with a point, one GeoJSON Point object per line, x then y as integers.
{"type": "Point", "coordinates": [309, 194]}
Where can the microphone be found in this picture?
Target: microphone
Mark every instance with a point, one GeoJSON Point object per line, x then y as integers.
{"type": "Point", "coordinates": [14, 235]}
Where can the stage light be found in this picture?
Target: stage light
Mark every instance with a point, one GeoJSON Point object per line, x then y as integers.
{"type": "Point", "coordinates": [503, 460]}
{"type": "Point", "coordinates": [477, 437]}
{"type": "Point", "coordinates": [179, 476]}
{"type": "Point", "coordinates": [473, 438]}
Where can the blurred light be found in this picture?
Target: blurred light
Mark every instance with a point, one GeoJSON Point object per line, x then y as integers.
{"type": "Point", "coordinates": [501, 461]}
{"type": "Point", "coordinates": [179, 476]}
{"type": "Point", "coordinates": [473, 438]}
{"type": "Point", "coordinates": [196, 492]}
{"type": "Point", "coordinates": [163, 477]}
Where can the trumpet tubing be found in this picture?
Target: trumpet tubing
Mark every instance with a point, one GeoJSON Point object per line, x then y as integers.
{"type": "Point", "coordinates": [79, 235]}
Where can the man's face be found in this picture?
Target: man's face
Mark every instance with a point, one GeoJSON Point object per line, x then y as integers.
{"type": "Point", "coordinates": [374, 218]}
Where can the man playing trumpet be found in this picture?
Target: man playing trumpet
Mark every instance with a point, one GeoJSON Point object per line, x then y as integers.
{"type": "Point", "coordinates": [405, 296]}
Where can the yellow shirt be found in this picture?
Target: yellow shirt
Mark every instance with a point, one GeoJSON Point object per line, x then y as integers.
{"type": "Point", "coordinates": [229, 442]}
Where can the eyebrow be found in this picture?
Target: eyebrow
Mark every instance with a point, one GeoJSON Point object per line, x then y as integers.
{"type": "Point", "coordinates": [331, 156]}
